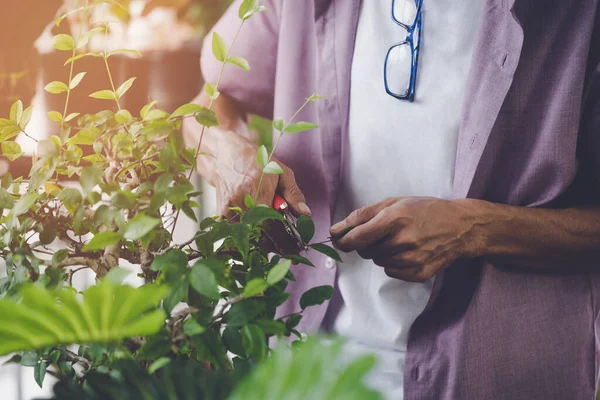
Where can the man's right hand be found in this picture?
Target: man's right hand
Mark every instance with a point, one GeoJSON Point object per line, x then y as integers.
{"type": "Point", "coordinates": [236, 173]}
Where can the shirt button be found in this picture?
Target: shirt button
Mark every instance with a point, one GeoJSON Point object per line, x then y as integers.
{"type": "Point", "coordinates": [329, 263]}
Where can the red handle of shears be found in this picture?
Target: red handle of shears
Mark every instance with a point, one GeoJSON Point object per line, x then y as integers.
{"type": "Point", "coordinates": [279, 203]}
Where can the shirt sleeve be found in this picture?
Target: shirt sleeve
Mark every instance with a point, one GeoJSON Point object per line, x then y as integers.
{"type": "Point", "coordinates": [257, 43]}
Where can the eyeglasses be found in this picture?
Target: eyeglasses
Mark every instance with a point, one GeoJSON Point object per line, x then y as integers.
{"type": "Point", "coordinates": [400, 70]}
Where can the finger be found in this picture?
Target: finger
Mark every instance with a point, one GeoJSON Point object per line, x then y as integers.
{"type": "Point", "coordinates": [356, 218]}
{"type": "Point", "coordinates": [408, 275]}
{"type": "Point", "coordinates": [385, 249]}
{"type": "Point", "coordinates": [288, 188]}
{"type": "Point", "coordinates": [364, 235]}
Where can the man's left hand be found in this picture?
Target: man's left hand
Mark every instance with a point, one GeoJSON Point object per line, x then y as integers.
{"type": "Point", "coordinates": [413, 238]}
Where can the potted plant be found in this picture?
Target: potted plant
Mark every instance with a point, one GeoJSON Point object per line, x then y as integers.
{"type": "Point", "coordinates": [200, 323]}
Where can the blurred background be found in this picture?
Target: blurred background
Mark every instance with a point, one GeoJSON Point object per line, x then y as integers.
{"type": "Point", "coordinates": [169, 35]}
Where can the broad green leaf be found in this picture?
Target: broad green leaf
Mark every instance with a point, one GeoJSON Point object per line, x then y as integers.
{"type": "Point", "coordinates": [207, 117]}
{"type": "Point", "coordinates": [25, 117]}
{"type": "Point", "coordinates": [117, 275]}
{"type": "Point", "coordinates": [6, 200]}
{"type": "Point", "coordinates": [125, 51]}
{"type": "Point", "coordinates": [123, 117]}
{"type": "Point", "coordinates": [71, 117]}
{"type": "Point", "coordinates": [121, 90]}
{"type": "Point", "coordinates": [16, 111]}
{"type": "Point", "coordinates": [306, 228]}
{"type": "Point", "coordinates": [71, 198]}
{"type": "Point", "coordinates": [147, 108]}
{"type": "Point", "coordinates": [140, 226]}
{"type": "Point", "coordinates": [104, 95]}
{"type": "Point", "coordinates": [174, 258]}
{"type": "Point", "coordinates": [243, 312]}
{"type": "Point", "coordinates": [249, 201]}
{"type": "Point", "coordinates": [63, 42]}
{"type": "Point", "coordinates": [257, 215]}
{"type": "Point", "coordinates": [186, 109]}
{"type": "Point", "coordinates": [211, 91]}
{"type": "Point", "coordinates": [192, 328]}
{"type": "Point", "coordinates": [24, 203]}
{"type": "Point", "coordinates": [240, 62]}
{"type": "Point", "coordinates": [255, 287]}
{"type": "Point", "coordinates": [55, 116]}
{"type": "Point", "coordinates": [272, 168]}
{"type": "Point", "coordinates": [76, 80]}
{"type": "Point", "coordinates": [155, 113]}
{"type": "Point", "coordinates": [90, 177]}
{"type": "Point", "coordinates": [106, 313]}
{"type": "Point", "coordinates": [262, 156]}
{"type": "Point", "coordinates": [39, 372]}
{"type": "Point", "coordinates": [203, 281]}
{"type": "Point", "coordinates": [327, 250]}
{"type": "Point", "coordinates": [299, 259]}
{"type": "Point", "coordinates": [278, 272]}
{"type": "Point", "coordinates": [158, 364]}
{"type": "Point", "coordinates": [240, 233]}
{"type": "Point", "coordinates": [316, 296]}
{"type": "Point", "coordinates": [300, 127]}
{"type": "Point", "coordinates": [245, 7]}
{"type": "Point", "coordinates": [11, 150]}
{"type": "Point", "coordinates": [163, 182]}
{"type": "Point", "coordinates": [254, 341]}
{"type": "Point", "coordinates": [219, 47]}
{"type": "Point", "coordinates": [279, 124]}
{"type": "Point", "coordinates": [85, 136]}
{"type": "Point", "coordinates": [101, 240]}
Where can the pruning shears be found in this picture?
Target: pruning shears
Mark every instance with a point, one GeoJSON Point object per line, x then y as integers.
{"type": "Point", "coordinates": [289, 222]}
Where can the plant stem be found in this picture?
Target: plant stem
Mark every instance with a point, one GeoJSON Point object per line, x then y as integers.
{"type": "Point", "coordinates": [210, 104]}
{"type": "Point", "coordinates": [276, 144]}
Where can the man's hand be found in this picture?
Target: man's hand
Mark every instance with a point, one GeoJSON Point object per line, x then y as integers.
{"type": "Point", "coordinates": [236, 172]}
{"type": "Point", "coordinates": [412, 238]}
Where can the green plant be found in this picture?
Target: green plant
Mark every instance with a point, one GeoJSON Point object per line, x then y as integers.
{"type": "Point", "coordinates": [208, 304]}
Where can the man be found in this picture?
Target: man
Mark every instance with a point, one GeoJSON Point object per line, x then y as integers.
{"type": "Point", "coordinates": [470, 216]}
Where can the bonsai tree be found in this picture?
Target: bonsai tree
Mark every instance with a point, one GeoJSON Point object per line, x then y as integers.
{"type": "Point", "coordinates": [203, 318]}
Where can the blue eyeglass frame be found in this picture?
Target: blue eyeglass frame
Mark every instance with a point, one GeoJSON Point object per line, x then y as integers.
{"type": "Point", "coordinates": [410, 94]}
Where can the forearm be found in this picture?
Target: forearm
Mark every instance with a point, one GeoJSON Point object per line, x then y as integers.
{"type": "Point", "coordinates": [231, 123]}
{"type": "Point", "coordinates": [540, 238]}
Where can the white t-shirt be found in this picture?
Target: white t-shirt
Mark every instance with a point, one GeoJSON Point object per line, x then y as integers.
{"type": "Point", "coordinates": [398, 148]}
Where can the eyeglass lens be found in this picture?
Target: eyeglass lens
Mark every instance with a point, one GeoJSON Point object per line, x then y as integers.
{"type": "Point", "coordinates": [405, 12]}
{"type": "Point", "coordinates": [398, 69]}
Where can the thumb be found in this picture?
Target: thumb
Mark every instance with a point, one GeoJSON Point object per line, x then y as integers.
{"type": "Point", "coordinates": [292, 193]}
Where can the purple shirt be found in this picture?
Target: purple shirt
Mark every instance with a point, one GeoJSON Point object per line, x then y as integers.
{"type": "Point", "coordinates": [529, 136]}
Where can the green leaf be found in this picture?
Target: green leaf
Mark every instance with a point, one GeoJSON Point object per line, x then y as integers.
{"type": "Point", "coordinates": [272, 168]}
{"type": "Point", "coordinates": [249, 201]}
{"type": "Point", "coordinates": [117, 275]}
{"type": "Point", "coordinates": [240, 233]}
{"type": "Point", "coordinates": [158, 364]}
{"type": "Point", "coordinates": [104, 95]}
{"type": "Point", "coordinates": [254, 341]}
{"type": "Point", "coordinates": [163, 182]}
{"type": "Point", "coordinates": [240, 62]}
{"type": "Point", "coordinates": [63, 42]}
{"type": "Point", "coordinates": [254, 287]}
{"type": "Point", "coordinates": [257, 215]}
{"type": "Point", "coordinates": [173, 258]}
{"type": "Point", "coordinates": [16, 111]}
{"type": "Point", "coordinates": [299, 259]}
{"type": "Point", "coordinates": [121, 90]}
{"type": "Point", "coordinates": [187, 109]}
{"type": "Point", "coordinates": [203, 281]}
{"type": "Point", "coordinates": [327, 250]}
{"type": "Point", "coordinates": [26, 117]}
{"type": "Point", "coordinates": [306, 228]}
{"type": "Point", "coordinates": [300, 127]}
{"type": "Point", "coordinates": [316, 296]}
{"type": "Point", "coordinates": [219, 47]}
{"type": "Point", "coordinates": [76, 80]}
{"type": "Point", "coordinates": [211, 91]}
{"type": "Point", "coordinates": [6, 200]}
{"type": "Point", "coordinates": [90, 177]}
{"type": "Point", "coordinates": [192, 328]}
{"type": "Point", "coordinates": [207, 117]}
{"type": "Point", "coordinates": [262, 156]}
{"type": "Point", "coordinates": [314, 370]}
{"type": "Point", "coordinates": [140, 226]}
{"type": "Point", "coordinates": [71, 198]}
{"type": "Point", "coordinates": [101, 240]}
{"type": "Point", "coordinates": [245, 7]}
{"type": "Point", "coordinates": [278, 272]}
{"type": "Point", "coordinates": [243, 312]}
{"type": "Point", "coordinates": [233, 340]}
{"type": "Point", "coordinates": [39, 372]}
{"type": "Point", "coordinates": [125, 51]}
{"type": "Point", "coordinates": [71, 116]}
{"type": "Point", "coordinates": [279, 124]}
{"type": "Point", "coordinates": [11, 150]}
{"type": "Point", "coordinates": [24, 203]}
{"type": "Point", "coordinates": [55, 116]}
{"type": "Point", "coordinates": [106, 313]}
{"type": "Point", "coordinates": [123, 117]}
{"type": "Point", "coordinates": [315, 97]}
{"type": "Point", "coordinates": [86, 136]}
